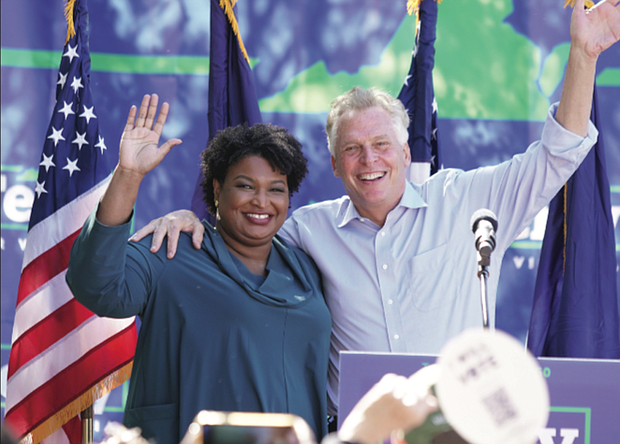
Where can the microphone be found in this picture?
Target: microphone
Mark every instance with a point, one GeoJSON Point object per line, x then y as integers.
{"type": "Point", "coordinates": [484, 225]}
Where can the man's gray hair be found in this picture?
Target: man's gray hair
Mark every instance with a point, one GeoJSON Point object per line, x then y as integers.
{"type": "Point", "coordinates": [360, 99]}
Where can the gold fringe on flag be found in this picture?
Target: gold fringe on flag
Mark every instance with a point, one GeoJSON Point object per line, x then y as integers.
{"type": "Point", "coordinates": [571, 3]}
{"type": "Point", "coordinates": [227, 6]}
{"type": "Point", "coordinates": [69, 17]}
{"type": "Point", "coordinates": [414, 5]}
{"type": "Point", "coordinates": [79, 404]}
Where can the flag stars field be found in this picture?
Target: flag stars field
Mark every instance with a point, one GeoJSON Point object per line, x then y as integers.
{"type": "Point", "coordinates": [56, 135]}
{"type": "Point", "coordinates": [47, 162]}
{"type": "Point", "coordinates": [71, 166]}
{"type": "Point", "coordinates": [101, 144]}
{"type": "Point", "coordinates": [66, 110]}
{"type": "Point", "coordinates": [40, 189]}
{"type": "Point", "coordinates": [71, 52]}
{"type": "Point", "coordinates": [76, 84]}
{"type": "Point", "coordinates": [88, 114]}
{"type": "Point", "coordinates": [80, 140]}
{"type": "Point", "coordinates": [62, 79]}
{"type": "Point", "coordinates": [418, 97]}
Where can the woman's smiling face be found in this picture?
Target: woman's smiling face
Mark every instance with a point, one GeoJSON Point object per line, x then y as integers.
{"type": "Point", "coordinates": [253, 202]}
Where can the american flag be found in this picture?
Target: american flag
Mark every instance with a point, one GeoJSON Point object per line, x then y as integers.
{"type": "Point", "coordinates": [63, 357]}
{"type": "Point", "coordinates": [417, 94]}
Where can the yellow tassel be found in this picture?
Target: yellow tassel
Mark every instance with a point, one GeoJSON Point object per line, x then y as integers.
{"type": "Point", "coordinates": [69, 18]}
{"type": "Point", "coordinates": [571, 3]}
{"type": "Point", "coordinates": [227, 6]}
{"type": "Point", "coordinates": [414, 5]}
{"type": "Point", "coordinates": [82, 402]}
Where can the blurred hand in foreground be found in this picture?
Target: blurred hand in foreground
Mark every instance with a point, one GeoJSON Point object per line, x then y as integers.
{"type": "Point", "coordinates": [395, 403]}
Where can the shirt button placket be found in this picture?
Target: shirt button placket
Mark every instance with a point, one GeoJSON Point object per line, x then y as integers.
{"type": "Point", "coordinates": [386, 284]}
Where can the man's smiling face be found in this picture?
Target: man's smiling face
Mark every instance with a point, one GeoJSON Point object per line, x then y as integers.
{"type": "Point", "coordinates": [371, 162]}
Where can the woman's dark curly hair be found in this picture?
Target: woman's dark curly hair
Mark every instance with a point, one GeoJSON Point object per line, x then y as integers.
{"type": "Point", "coordinates": [231, 145]}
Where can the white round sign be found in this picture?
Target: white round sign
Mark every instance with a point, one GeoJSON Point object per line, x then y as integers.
{"type": "Point", "coordinates": [491, 389]}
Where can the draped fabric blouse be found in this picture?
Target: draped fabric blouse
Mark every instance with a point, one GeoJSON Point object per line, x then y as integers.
{"type": "Point", "coordinates": [213, 335]}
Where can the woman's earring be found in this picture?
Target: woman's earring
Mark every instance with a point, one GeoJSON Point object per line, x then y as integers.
{"type": "Point", "coordinates": [217, 203]}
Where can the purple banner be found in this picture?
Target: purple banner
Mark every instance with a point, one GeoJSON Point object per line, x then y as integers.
{"type": "Point", "coordinates": [583, 393]}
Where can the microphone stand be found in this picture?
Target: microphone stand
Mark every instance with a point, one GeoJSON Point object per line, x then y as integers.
{"type": "Point", "coordinates": [484, 225]}
{"type": "Point", "coordinates": [483, 275]}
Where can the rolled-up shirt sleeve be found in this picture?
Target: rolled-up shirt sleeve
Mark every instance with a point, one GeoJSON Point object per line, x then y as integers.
{"type": "Point", "coordinates": [516, 190]}
{"type": "Point", "coordinates": [562, 143]}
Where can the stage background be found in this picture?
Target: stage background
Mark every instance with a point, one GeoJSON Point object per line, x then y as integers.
{"type": "Point", "coordinates": [499, 64]}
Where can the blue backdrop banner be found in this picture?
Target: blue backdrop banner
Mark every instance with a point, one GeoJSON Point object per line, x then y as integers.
{"type": "Point", "coordinates": [498, 67]}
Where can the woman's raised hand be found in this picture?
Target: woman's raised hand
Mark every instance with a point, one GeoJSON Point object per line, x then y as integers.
{"type": "Point", "coordinates": [139, 150]}
{"type": "Point", "coordinates": [139, 154]}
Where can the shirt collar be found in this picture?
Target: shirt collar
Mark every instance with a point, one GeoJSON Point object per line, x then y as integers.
{"type": "Point", "coordinates": [411, 199]}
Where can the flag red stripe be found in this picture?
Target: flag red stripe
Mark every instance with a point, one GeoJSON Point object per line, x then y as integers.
{"type": "Point", "coordinates": [73, 430]}
{"type": "Point", "coordinates": [78, 378]}
{"type": "Point", "coordinates": [46, 333]}
{"type": "Point", "coordinates": [61, 360]}
{"type": "Point", "coordinates": [45, 267]}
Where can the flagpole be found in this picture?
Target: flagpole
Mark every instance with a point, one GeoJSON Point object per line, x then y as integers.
{"type": "Point", "coordinates": [87, 417]}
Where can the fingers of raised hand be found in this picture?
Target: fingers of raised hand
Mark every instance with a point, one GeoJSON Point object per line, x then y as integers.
{"type": "Point", "coordinates": [168, 145]}
{"type": "Point", "coordinates": [161, 118]}
{"type": "Point", "coordinates": [131, 117]}
{"type": "Point", "coordinates": [144, 110]}
{"type": "Point", "coordinates": [151, 111]}
{"type": "Point", "coordinates": [579, 5]}
{"type": "Point", "coordinates": [146, 115]}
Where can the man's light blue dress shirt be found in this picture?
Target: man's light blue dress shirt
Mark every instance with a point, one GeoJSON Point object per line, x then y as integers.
{"type": "Point", "coordinates": [411, 285]}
